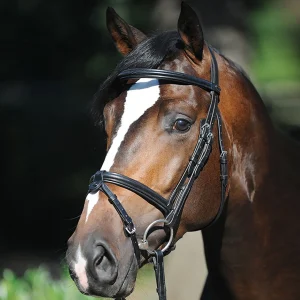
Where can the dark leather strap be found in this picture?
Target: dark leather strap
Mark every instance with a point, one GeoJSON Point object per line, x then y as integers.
{"type": "Point", "coordinates": [129, 228]}
{"type": "Point", "coordinates": [200, 154]}
{"type": "Point", "coordinates": [223, 173]}
{"type": "Point", "coordinates": [137, 187]}
{"type": "Point", "coordinates": [197, 161]}
{"type": "Point", "coordinates": [133, 185]}
{"type": "Point", "coordinates": [158, 263]}
{"type": "Point", "coordinates": [170, 76]}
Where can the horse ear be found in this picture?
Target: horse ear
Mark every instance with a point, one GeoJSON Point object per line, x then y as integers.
{"type": "Point", "coordinates": [126, 37]}
{"type": "Point", "coordinates": [190, 31]}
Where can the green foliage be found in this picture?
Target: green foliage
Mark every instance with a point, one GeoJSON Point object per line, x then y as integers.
{"type": "Point", "coordinates": [276, 60]}
{"type": "Point", "coordinates": [276, 56]}
{"type": "Point", "coordinates": [37, 284]}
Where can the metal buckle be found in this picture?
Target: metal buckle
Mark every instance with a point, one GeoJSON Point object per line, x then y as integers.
{"type": "Point", "coordinates": [203, 127]}
{"type": "Point", "coordinates": [130, 232]}
{"type": "Point", "coordinates": [223, 157]}
{"type": "Point", "coordinates": [210, 136]}
{"type": "Point", "coordinates": [143, 245]}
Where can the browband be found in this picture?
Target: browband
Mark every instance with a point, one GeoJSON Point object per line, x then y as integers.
{"type": "Point", "coordinates": [176, 77]}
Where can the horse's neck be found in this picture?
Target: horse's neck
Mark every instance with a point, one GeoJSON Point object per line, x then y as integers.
{"type": "Point", "coordinates": [261, 210]}
{"type": "Point", "coordinates": [255, 242]}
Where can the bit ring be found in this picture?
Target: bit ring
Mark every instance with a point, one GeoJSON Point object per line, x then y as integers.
{"type": "Point", "coordinates": [170, 238]}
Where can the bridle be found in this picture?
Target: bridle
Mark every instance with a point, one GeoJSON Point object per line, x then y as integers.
{"type": "Point", "coordinates": [170, 208]}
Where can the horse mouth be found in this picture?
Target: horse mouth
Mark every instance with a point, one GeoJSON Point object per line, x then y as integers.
{"type": "Point", "coordinates": [123, 286]}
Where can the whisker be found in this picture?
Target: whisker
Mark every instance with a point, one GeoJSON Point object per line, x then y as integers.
{"type": "Point", "coordinates": [74, 218]}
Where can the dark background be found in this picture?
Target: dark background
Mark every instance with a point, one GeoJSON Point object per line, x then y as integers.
{"type": "Point", "coordinates": [54, 55]}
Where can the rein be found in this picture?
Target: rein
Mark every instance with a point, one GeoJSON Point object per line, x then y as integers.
{"type": "Point", "coordinates": [170, 208]}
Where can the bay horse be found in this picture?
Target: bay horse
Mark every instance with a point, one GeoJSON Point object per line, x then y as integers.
{"type": "Point", "coordinates": [159, 111]}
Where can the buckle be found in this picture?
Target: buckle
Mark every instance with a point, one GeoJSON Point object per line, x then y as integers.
{"type": "Point", "coordinates": [130, 231]}
{"type": "Point", "coordinates": [209, 137]}
{"type": "Point", "coordinates": [223, 157]}
{"type": "Point", "coordinates": [204, 127]}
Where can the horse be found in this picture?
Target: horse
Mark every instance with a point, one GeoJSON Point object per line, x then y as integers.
{"type": "Point", "coordinates": [175, 110]}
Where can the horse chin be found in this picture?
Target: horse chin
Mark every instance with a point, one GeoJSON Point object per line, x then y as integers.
{"type": "Point", "coordinates": [128, 284]}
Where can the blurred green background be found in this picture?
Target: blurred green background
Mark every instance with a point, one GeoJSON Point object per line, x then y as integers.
{"type": "Point", "coordinates": [54, 55]}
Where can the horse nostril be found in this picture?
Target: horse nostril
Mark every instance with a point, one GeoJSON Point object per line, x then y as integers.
{"type": "Point", "coordinates": [105, 264]}
{"type": "Point", "coordinates": [98, 261]}
{"type": "Point", "coordinates": [99, 254]}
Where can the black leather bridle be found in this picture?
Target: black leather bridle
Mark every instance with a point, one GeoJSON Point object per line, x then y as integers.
{"type": "Point", "coordinates": [170, 208]}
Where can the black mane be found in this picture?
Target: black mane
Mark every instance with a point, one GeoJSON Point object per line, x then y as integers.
{"type": "Point", "coordinates": [148, 54]}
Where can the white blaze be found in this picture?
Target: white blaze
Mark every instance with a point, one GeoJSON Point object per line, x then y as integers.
{"type": "Point", "coordinates": [93, 199]}
{"type": "Point", "coordinates": [140, 97]}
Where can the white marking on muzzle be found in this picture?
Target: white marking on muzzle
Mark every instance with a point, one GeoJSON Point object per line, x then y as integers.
{"type": "Point", "coordinates": [80, 269]}
{"type": "Point", "coordinates": [140, 97]}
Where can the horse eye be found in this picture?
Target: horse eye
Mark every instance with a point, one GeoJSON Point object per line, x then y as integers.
{"type": "Point", "coordinates": [182, 125]}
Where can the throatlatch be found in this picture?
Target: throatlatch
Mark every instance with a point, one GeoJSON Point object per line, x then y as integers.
{"type": "Point", "coordinates": [171, 208]}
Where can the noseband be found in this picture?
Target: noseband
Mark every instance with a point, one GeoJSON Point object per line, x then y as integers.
{"type": "Point", "coordinates": [170, 208]}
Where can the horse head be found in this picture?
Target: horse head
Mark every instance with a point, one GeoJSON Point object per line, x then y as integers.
{"type": "Point", "coordinates": [155, 125]}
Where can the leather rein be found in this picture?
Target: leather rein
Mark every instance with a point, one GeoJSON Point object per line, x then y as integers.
{"type": "Point", "coordinates": [170, 208]}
